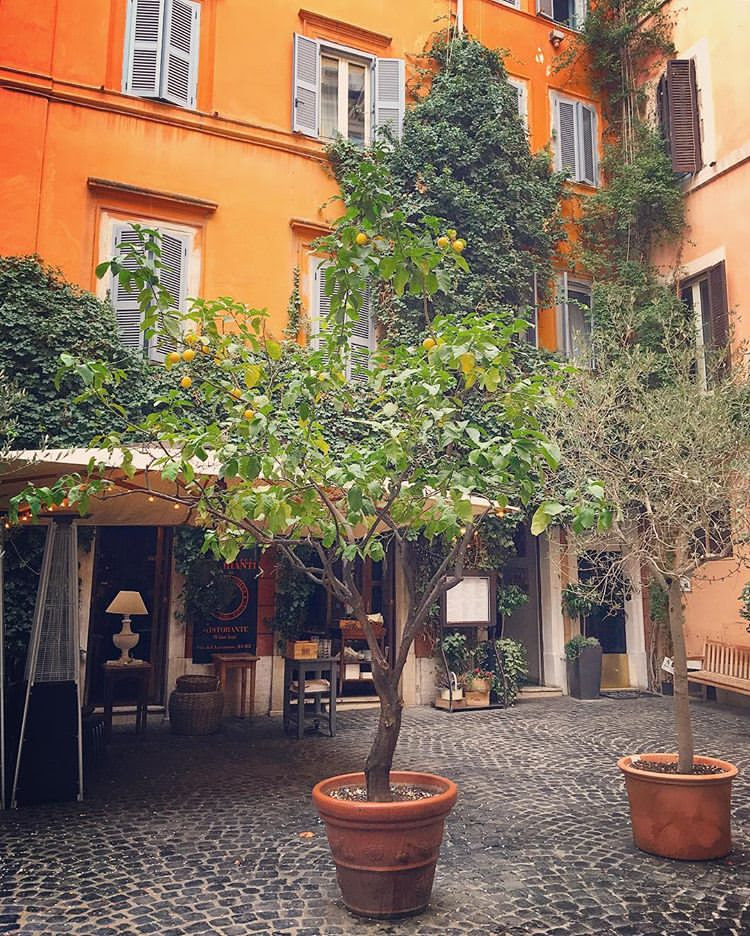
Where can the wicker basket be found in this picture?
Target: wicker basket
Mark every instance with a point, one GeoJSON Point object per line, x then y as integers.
{"type": "Point", "coordinates": [194, 683]}
{"type": "Point", "coordinates": [196, 713]}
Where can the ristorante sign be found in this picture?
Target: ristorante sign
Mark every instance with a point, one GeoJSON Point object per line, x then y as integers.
{"type": "Point", "coordinates": [233, 627]}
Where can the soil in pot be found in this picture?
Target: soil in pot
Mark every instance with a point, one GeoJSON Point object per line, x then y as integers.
{"type": "Point", "coordinates": [385, 853]}
{"type": "Point", "coordinates": [685, 816]}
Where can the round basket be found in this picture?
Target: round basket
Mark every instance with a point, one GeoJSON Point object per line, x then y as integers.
{"type": "Point", "coordinates": [197, 683]}
{"type": "Point", "coordinates": [196, 713]}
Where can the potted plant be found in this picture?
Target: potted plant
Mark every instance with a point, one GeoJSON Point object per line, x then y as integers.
{"type": "Point", "coordinates": [583, 661]}
{"type": "Point", "coordinates": [477, 683]}
{"type": "Point", "coordinates": [453, 660]}
{"type": "Point", "coordinates": [285, 452]}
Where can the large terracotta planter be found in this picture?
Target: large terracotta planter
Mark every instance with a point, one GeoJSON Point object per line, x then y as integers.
{"type": "Point", "coordinates": [385, 853]}
{"type": "Point", "coordinates": [682, 816]}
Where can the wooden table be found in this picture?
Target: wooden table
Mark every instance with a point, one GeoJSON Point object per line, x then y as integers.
{"type": "Point", "coordinates": [114, 672]}
{"type": "Point", "coordinates": [223, 662]}
{"type": "Point", "coordinates": [295, 697]}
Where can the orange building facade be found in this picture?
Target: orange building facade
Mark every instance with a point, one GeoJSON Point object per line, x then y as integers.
{"type": "Point", "coordinates": [207, 119]}
{"type": "Point", "coordinates": [712, 260]}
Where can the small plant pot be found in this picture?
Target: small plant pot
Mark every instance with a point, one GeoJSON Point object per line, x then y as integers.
{"type": "Point", "coordinates": [684, 816]}
{"type": "Point", "coordinates": [385, 853]}
{"type": "Point", "coordinates": [585, 673]}
{"type": "Point", "coordinates": [456, 695]}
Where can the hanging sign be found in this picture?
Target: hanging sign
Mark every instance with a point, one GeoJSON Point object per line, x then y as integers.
{"type": "Point", "coordinates": [232, 626]}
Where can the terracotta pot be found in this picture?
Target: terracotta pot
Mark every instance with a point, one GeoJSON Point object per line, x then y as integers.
{"type": "Point", "coordinates": [682, 816]}
{"type": "Point", "coordinates": [385, 853]}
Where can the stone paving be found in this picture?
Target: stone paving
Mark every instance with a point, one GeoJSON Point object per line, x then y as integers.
{"type": "Point", "coordinates": [202, 835]}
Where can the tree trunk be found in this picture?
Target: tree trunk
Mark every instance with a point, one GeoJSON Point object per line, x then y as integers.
{"type": "Point", "coordinates": [681, 700]}
{"type": "Point", "coordinates": [380, 759]}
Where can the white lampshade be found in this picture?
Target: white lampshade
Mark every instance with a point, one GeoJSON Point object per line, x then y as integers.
{"type": "Point", "coordinates": [127, 602]}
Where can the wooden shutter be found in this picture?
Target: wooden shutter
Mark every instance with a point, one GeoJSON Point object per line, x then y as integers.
{"type": "Point", "coordinates": [390, 91]}
{"type": "Point", "coordinates": [565, 127]}
{"type": "Point", "coordinates": [142, 73]}
{"type": "Point", "coordinates": [684, 122]}
{"type": "Point", "coordinates": [321, 306]}
{"type": "Point", "coordinates": [125, 302]}
{"type": "Point", "coordinates": [306, 85]}
{"type": "Point", "coordinates": [586, 132]}
{"type": "Point", "coordinates": [180, 61]}
{"type": "Point", "coordinates": [545, 8]}
{"type": "Point", "coordinates": [173, 277]}
{"type": "Point", "coordinates": [361, 342]}
{"type": "Point", "coordinates": [717, 291]}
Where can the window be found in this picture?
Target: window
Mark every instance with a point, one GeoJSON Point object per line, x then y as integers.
{"type": "Point", "coordinates": [522, 90]}
{"type": "Point", "coordinates": [574, 318]}
{"type": "Point", "coordinates": [362, 338]}
{"type": "Point", "coordinates": [173, 276]}
{"type": "Point", "coordinates": [341, 92]}
{"type": "Point", "coordinates": [570, 13]}
{"type": "Point", "coordinates": [161, 50]}
{"type": "Point", "coordinates": [677, 99]}
{"type": "Point", "coordinates": [706, 296]}
{"type": "Point", "coordinates": [576, 140]}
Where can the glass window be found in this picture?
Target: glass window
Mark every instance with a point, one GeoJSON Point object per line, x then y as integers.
{"type": "Point", "coordinates": [329, 96]}
{"type": "Point", "coordinates": [344, 98]}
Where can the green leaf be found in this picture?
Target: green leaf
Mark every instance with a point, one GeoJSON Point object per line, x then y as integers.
{"type": "Point", "coordinates": [540, 521]}
{"type": "Point", "coordinates": [274, 349]}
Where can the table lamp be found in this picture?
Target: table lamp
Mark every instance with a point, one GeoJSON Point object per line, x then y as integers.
{"type": "Point", "coordinates": [126, 603]}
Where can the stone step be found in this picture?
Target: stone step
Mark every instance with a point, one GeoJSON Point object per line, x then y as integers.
{"type": "Point", "coordinates": [537, 693]}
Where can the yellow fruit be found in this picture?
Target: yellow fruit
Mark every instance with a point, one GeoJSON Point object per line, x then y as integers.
{"type": "Point", "coordinates": [361, 239]}
{"type": "Point", "coordinates": [186, 383]}
{"type": "Point", "coordinates": [188, 355]}
{"type": "Point", "coordinates": [191, 338]}
{"type": "Point", "coordinates": [443, 242]}
{"type": "Point", "coordinates": [248, 414]}
{"type": "Point", "coordinates": [428, 344]}
{"type": "Point", "coordinates": [173, 357]}
{"type": "Point", "coordinates": [467, 362]}
{"type": "Point", "coordinates": [459, 245]}
{"type": "Point", "coordinates": [453, 234]}
{"type": "Point", "coordinates": [235, 392]}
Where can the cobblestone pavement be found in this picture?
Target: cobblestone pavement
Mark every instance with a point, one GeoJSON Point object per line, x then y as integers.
{"type": "Point", "coordinates": [202, 835]}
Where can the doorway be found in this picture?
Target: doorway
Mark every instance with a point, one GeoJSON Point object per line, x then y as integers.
{"type": "Point", "coordinates": [606, 621]}
{"type": "Point", "coordinates": [133, 558]}
{"type": "Point", "coordinates": [524, 624]}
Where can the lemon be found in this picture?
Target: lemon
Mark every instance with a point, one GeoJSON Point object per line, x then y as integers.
{"type": "Point", "coordinates": [248, 414]}
{"type": "Point", "coordinates": [173, 357]}
{"type": "Point", "coordinates": [361, 239]}
{"type": "Point", "coordinates": [188, 355]}
{"type": "Point", "coordinates": [443, 242]}
{"type": "Point", "coordinates": [186, 383]}
{"type": "Point", "coordinates": [428, 344]}
{"type": "Point", "coordinates": [458, 245]}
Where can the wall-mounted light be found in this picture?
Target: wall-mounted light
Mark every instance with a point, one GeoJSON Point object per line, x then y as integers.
{"type": "Point", "coordinates": [556, 37]}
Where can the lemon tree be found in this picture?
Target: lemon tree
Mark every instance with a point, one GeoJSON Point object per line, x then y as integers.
{"type": "Point", "coordinates": [402, 457]}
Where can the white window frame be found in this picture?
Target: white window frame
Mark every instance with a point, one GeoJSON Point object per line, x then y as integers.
{"type": "Point", "coordinates": [345, 59]}
{"type": "Point", "coordinates": [566, 283]}
{"type": "Point", "coordinates": [190, 285]}
{"type": "Point", "coordinates": [318, 268]}
{"type": "Point", "coordinates": [516, 4]}
{"type": "Point", "coordinates": [522, 87]}
{"type": "Point", "coordinates": [694, 285]}
{"type": "Point", "coordinates": [578, 173]}
{"type": "Point", "coordinates": [161, 93]}
{"type": "Point", "coordinates": [580, 12]}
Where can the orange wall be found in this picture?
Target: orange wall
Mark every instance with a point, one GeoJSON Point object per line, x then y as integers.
{"type": "Point", "coordinates": [717, 204]}
{"type": "Point", "coordinates": [64, 120]}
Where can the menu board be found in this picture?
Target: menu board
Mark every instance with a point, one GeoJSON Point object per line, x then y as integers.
{"type": "Point", "coordinates": [469, 601]}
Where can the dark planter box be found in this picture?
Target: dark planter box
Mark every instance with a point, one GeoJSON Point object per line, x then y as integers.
{"type": "Point", "coordinates": [585, 674]}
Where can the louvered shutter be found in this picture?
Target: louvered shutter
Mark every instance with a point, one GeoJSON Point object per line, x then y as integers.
{"type": "Point", "coordinates": [545, 8]}
{"type": "Point", "coordinates": [563, 318]}
{"type": "Point", "coordinates": [143, 54]}
{"type": "Point", "coordinates": [306, 86]}
{"type": "Point", "coordinates": [662, 106]}
{"type": "Point", "coordinates": [321, 309]}
{"type": "Point", "coordinates": [567, 157]}
{"type": "Point", "coordinates": [532, 313]}
{"type": "Point", "coordinates": [180, 62]}
{"type": "Point", "coordinates": [361, 342]}
{"type": "Point", "coordinates": [587, 161]}
{"type": "Point", "coordinates": [684, 122]}
{"type": "Point", "coordinates": [717, 290]}
{"type": "Point", "coordinates": [173, 277]}
{"type": "Point", "coordinates": [390, 92]}
{"type": "Point", "coordinates": [125, 302]}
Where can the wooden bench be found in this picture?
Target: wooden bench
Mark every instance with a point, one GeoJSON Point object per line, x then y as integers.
{"type": "Point", "coordinates": [724, 667]}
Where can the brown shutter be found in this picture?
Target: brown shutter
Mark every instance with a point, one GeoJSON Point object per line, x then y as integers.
{"type": "Point", "coordinates": [684, 125]}
{"type": "Point", "coordinates": [717, 290]}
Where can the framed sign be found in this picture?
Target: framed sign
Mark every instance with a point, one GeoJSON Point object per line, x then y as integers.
{"type": "Point", "coordinates": [232, 627]}
{"type": "Point", "coordinates": [471, 603]}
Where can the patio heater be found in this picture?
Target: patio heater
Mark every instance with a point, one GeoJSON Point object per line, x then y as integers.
{"type": "Point", "coordinates": [49, 763]}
